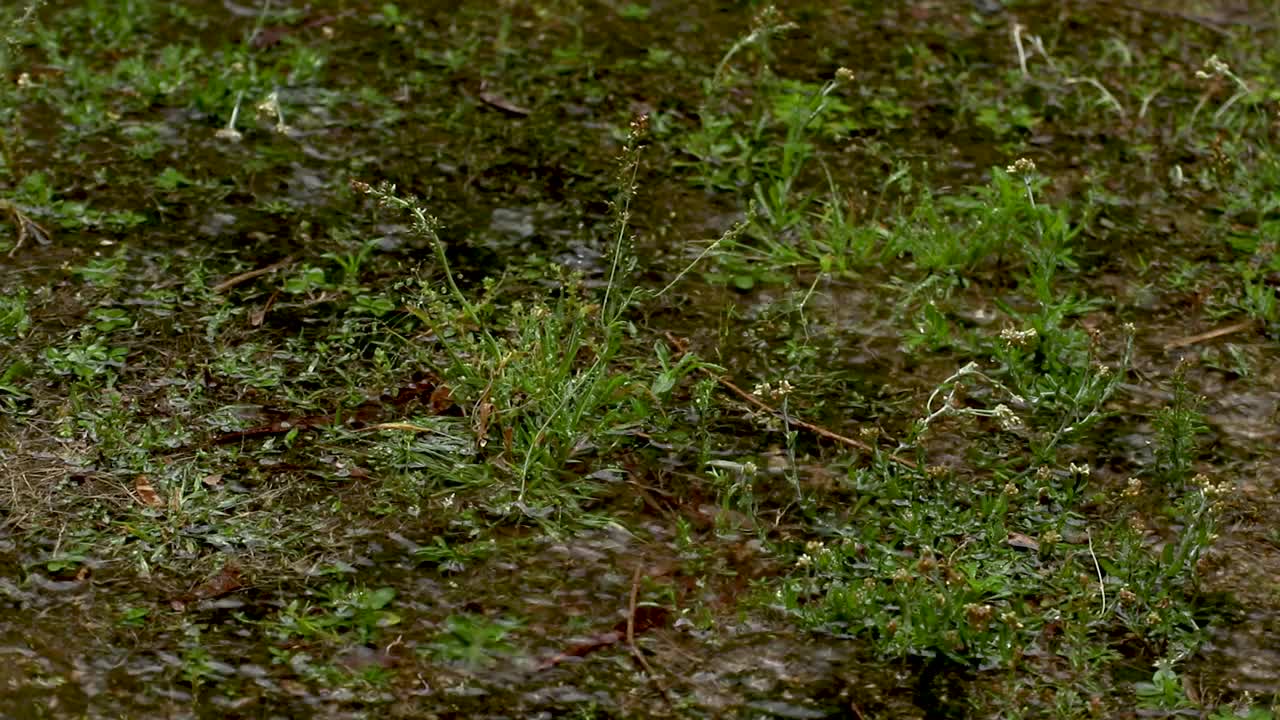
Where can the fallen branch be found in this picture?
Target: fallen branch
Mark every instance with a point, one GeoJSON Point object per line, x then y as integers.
{"type": "Point", "coordinates": [631, 641]}
{"type": "Point", "coordinates": [815, 429]}
{"type": "Point", "coordinates": [1219, 25]}
{"type": "Point", "coordinates": [244, 277]}
{"type": "Point", "coordinates": [26, 226]}
{"type": "Point", "coordinates": [1212, 334]}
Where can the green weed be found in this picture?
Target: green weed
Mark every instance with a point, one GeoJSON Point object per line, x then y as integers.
{"type": "Point", "coordinates": [473, 640]}
{"type": "Point", "coordinates": [551, 393]}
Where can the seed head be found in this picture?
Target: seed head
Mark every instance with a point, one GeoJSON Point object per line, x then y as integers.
{"type": "Point", "coordinates": [1019, 338]}
{"type": "Point", "coordinates": [1007, 418]}
{"type": "Point", "coordinates": [270, 107]}
{"type": "Point", "coordinates": [1213, 67]}
{"type": "Point", "coordinates": [1022, 166]}
{"type": "Point", "coordinates": [639, 126]}
{"type": "Point", "coordinates": [1134, 488]}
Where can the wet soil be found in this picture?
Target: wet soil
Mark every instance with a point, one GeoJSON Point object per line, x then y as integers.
{"type": "Point", "coordinates": [115, 607]}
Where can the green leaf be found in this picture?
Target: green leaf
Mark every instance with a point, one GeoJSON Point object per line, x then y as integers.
{"type": "Point", "coordinates": [381, 597]}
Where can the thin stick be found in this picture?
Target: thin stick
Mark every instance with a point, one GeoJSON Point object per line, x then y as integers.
{"type": "Point", "coordinates": [244, 277]}
{"type": "Point", "coordinates": [815, 429]}
{"type": "Point", "coordinates": [631, 641]}
{"type": "Point", "coordinates": [1212, 24]}
{"type": "Point", "coordinates": [1212, 334]}
{"type": "Point", "coordinates": [26, 226]}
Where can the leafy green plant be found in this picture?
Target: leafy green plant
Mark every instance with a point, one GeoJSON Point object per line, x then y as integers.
{"type": "Point", "coordinates": [305, 280]}
{"type": "Point", "coordinates": [1164, 692]}
{"type": "Point", "coordinates": [343, 609]}
{"type": "Point", "coordinates": [85, 360]}
{"type": "Point", "coordinates": [473, 639]}
{"type": "Point", "coordinates": [15, 316]}
{"type": "Point", "coordinates": [1178, 426]}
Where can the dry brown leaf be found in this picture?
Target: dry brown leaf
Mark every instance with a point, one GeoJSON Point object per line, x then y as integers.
{"type": "Point", "coordinates": [502, 103]}
{"type": "Point", "coordinates": [483, 413]}
{"type": "Point", "coordinates": [147, 494]}
{"type": "Point", "coordinates": [226, 581]}
{"type": "Point", "coordinates": [1023, 542]}
{"type": "Point", "coordinates": [441, 399]}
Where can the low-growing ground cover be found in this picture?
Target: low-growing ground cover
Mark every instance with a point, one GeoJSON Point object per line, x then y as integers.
{"type": "Point", "coordinates": [555, 359]}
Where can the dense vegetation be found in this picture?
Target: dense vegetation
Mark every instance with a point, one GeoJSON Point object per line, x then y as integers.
{"type": "Point", "coordinates": [551, 359]}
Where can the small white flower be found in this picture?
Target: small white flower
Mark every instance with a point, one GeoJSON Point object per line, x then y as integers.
{"type": "Point", "coordinates": [271, 105]}
{"type": "Point", "coordinates": [1007, 418]}
{"type": "Point", "coordinates": [1133, 488]}
{"type": "Point", "coordinates": [1018, 337]}
{"type": "Point", "coordinates": [1021, 166]}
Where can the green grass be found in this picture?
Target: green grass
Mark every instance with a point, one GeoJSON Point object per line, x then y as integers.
{"type": "Point", "coordinates": [284, 391]}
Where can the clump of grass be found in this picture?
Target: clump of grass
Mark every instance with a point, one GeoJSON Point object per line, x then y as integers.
{"type": "Point", "coordinates": [1178, 426]}
{"type": "Point", "coordinates": [24, 226]}
{"type": "Point", "coordinates": [547, 382]}
{"type": "Point", "coordinates": [988, 570]}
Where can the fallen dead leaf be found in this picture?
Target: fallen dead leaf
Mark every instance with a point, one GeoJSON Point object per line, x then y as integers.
{"type": "Point", "coordinates": [224, 582]}
{"type": "Point", "coordinates": [483, 413]}
{"type": "Point", "coordinates": [501, 103]}
{"type": "Point", "coordinates": [147, 494]}
{"type": "Point", "coordinates": [441, 399]}
{"type": "Point", "coordinates": [1023, 542]}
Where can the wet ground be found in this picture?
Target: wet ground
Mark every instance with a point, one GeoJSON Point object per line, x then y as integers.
{"type": "Point", "coordinates": [244, 478]}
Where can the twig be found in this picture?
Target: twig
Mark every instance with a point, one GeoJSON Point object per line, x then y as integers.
{"type": "Point", "coordinates": [631, 641]}
{"type": "Point", "coordinates": [1212, 334]}
{"type": "Point", "coordinates": [26, 226]}
{"type": "Point", "coordinates": [244, 277]}
{"type": "Point", "coordinates": [1220, 26]}
{"type": "Point", "coordinates": [815, 429]}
